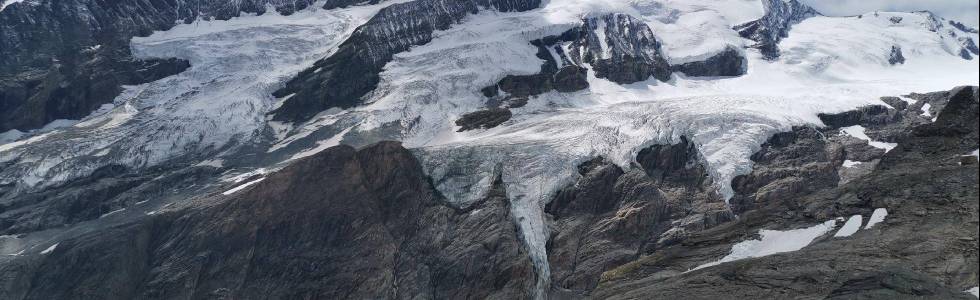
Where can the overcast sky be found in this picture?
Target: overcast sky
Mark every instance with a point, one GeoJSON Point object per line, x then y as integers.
{"type": "Point", "coordinates": [965, 11]}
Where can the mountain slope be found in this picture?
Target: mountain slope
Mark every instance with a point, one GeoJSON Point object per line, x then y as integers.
{"type": "Point", "coordinates": [662, 105]}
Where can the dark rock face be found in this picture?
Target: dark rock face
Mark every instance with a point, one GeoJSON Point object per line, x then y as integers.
{"type": "Point", "coordinates": [729, 62]}
{"type": "Point", "coordinates": [488, 118]}
{"type": "Point", "coordinates": [872, 114]}
{"type": "Point", "coordinates": [611, 216]}
{"type": "Point", "coordinates": [775, 24]}
{"type": "Point", "coordinates": [340, 224]}
{"type": "Point", "coordinates": [343, 78]}
{"type": "Point", "coordinates": [922, 183]}
{"type": "Point", "coordinates": [895, 56]}
{"type": "Point", "coordinates": [570, 79]}
{"type": "Point", "coordinates": [62, 59]}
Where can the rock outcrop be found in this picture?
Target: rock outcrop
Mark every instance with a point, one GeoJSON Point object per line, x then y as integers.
{"type": "Point", "coordinates": [617, 47]}
{"type": "Point", "coordinates": [780, 16]}
{"type": "Point", "coordinates": [483, 119]}
{"type": "Point", "coordinates": [895, 56]}
{"type": "Point", "coordinates": [341, 79]}
{"type": "Point", "coordinates": [610, 216]}
{"type": "Point", "coordinates": [343, 223]}
{"type": "Point", "coordinates": [729, 62]}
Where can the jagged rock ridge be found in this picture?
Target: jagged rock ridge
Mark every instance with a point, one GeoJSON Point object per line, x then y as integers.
{"type": "Point", "coordinates": [353, 70]}
{"type": "Point", "coordinates": [780, 16]}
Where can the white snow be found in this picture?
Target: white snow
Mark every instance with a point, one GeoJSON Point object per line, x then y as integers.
{"type": "Point", "coordinates": [850, 163]}
{"type": "Point", "coordinates": [112, 213]}
{"type": "Point", "coordinates": [50, 249]}
{"type": "Point", "coordinates": [852, 225]}
{"type": "Point", "coordinates": [773, 242]}
{"type": "Point", "coordinates": [857, 131]}
{"type": "Point", "coordinates": [925, 110]}
{"type": "Point", "coordinates": [975, 153]}
{"type": "Point", "coordinates": [243, 176]}
{"type": "Point", "coordinates": [8, 3]}
{"type": "Point", "coordinates": [877, 216]}
{"type": "Point", "coordinates": [975, 291]}
{"type": "Point", "coordinates": [242, 186]}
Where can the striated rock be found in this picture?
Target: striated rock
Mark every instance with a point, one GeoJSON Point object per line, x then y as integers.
{"type": "Point", "coordinates": [488, 118]}
{"type": "Point", "coordinates": [341, 79]}
{"type": "Point", "coordinates": [610, 216]}
{"type": "Point", "coordinates": [342, 223]}
{"type": "Point", "coordinates": [729, 62]}
{"type": "Point", "coordinates": [779, 16]}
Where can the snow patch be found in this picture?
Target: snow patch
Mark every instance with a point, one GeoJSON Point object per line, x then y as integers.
{"type": "Point", "coordinates": [852, 225]}
{"type": "Point", "coordinates": [925, 110]}
{"type": "Point", "coordinates": [773, 242]}
{"type": "Point", "coordinates": [975, 291]}
{"type": "Point", "coordinates": [112, 212]}
{"type": "Point", "coordinates": [857, 131]}
{"type": "Point", "coordinates": [50, 249]}
{"type": "Point", "coordinates": [243, 176]}
{"type": "Point", "coordinates": [850, 163]}
{"type": "Point", "coordinates": [877, 216]}
{"type": "Point", "coordinates": [242, 186]}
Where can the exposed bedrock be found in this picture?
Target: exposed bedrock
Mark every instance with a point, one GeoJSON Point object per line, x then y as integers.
{"type": "Point", "coordinates": [63, 59]}
{"type": "Point", "coordinates": [780, 16]}
{"type": "Point", "coordinates": [729, 62]}
{"type": "Point", "coordinates": [344, 223]}
{"type": "Point", "coordinates": [343, 78]}
{"type": "Point", "coordinates": [483, 119]}
{"type": "Point", "coordinates": [610, 216]}
{"type": "Point", "coordinates": [617, 47]}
